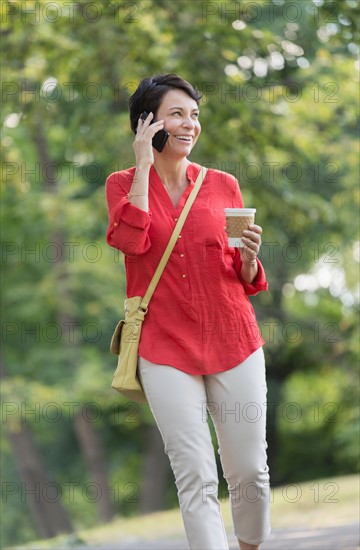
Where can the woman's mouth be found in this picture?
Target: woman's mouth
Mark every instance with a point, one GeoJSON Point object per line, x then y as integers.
{"type": "Point", "coordinates": [184, 138]}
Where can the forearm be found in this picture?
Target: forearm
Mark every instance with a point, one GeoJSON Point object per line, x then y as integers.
{"type": "Point", "coordinates": [139, 192]}
{"type": "Point", "coordinates": [249, 271]}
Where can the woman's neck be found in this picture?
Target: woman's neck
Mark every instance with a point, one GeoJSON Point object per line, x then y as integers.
{"type": "Point", "coordinates": [172, 173]}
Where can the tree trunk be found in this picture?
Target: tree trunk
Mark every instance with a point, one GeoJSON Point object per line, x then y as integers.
{"type": "Point", "coordinates": [42, 495]}
{"type": "Point", "coordinates": [89, 440]}
{"type": "Point", "coordinates": [92, 451]}
{"type": "Point", "coordinates": [156, 469]}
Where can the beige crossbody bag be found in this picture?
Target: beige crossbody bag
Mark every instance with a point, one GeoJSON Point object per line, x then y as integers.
{"type": "Point", "coordinates": [126, 338]}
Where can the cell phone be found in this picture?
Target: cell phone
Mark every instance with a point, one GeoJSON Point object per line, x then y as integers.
{"type": "Point", "coordinates": [160, 138]}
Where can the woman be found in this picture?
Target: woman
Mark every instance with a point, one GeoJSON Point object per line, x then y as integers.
{"type": "Point", "coordinates": [200, 349]}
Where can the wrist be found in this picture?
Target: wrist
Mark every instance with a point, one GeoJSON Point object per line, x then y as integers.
{"type": "Point", "coordinates": [130, 194]}
{"type": "Point", "coordinates": [249, 271]}
{"type": "Point", "coordinates": [143, 165]}
{"type": "Point", "coordinates": [250, 263]}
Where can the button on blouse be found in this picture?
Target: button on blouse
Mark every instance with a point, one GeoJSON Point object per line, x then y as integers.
{"type": "Point", "coordinates": [200, 319]}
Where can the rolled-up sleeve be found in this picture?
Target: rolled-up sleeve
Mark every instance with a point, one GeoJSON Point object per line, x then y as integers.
{"type": "Point", "coordinates": [259, 283]}
{"type": "Point", "coordinates": [128, 229]}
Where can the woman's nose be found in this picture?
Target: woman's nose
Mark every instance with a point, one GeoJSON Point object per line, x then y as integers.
{"type": "Point", "coordinates": [189, 122]}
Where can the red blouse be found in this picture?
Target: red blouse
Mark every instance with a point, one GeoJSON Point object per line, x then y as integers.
{"type": "Point", "coordinates": [200, 319]}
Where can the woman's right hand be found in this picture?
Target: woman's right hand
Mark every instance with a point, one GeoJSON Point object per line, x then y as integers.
{"type": "Point", "coordinates": [143, 139]}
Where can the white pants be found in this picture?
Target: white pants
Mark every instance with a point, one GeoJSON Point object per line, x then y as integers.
{"type": "Point", "coordinates": [236, 402]}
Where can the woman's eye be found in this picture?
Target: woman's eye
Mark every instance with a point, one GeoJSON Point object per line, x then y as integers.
{"type": "Point", "coordinates": [196, 115]}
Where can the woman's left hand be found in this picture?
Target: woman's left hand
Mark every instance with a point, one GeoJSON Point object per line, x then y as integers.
{"type": "Point", "coordinates": [252, 240]}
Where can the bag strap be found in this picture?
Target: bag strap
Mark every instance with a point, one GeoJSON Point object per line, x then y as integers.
{"type": "Point", "coordinates": [178, 227]}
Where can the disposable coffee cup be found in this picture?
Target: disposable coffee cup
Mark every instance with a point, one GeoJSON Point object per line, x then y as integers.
{"type": "Point", "coordinates": [238, 219]}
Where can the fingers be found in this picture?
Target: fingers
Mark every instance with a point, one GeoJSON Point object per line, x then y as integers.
{"type": "Point", "coordinates": [253, 235]}
{"type": "Point", "coordinates": [145, 124]}
{"type": "Point", "coordinates": [255, 228]}
{"type": "Point", "coordinates": [145, 131]}
{"type": "Point", "coordinates": [252, 240]}
{"type": "Point", "coordinates": [252, 246]}
{"type": "Point", "coordinates": [251, 250]}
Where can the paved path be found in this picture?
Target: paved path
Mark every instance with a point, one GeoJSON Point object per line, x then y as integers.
{"type": "Point", "coordinates": [344, 537]}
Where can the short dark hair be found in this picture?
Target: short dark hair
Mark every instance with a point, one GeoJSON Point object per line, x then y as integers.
{"type": "Point", "coordinates": [150, 92]}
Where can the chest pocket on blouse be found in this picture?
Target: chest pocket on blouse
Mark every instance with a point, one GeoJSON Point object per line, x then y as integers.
{"type": "Point", "coordinates": [209, 238]}
{"type": "Point", "coordinates": [208, 234]}
{"type": "Point", "coordinates": [207, 224]}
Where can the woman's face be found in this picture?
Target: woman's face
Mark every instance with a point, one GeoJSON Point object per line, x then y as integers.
{"type": "Point", "coordinates": [181, 119]}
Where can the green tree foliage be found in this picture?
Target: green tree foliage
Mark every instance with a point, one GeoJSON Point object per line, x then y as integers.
{"type": "Point", "coordinates": [279, 112]}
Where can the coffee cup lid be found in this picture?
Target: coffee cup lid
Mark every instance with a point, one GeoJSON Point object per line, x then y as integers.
{"type": "Point", "coordinates": [239, 211]}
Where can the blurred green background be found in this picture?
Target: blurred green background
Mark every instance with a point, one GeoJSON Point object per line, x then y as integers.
{"type": "Point", "coordinates": [279, 80]}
